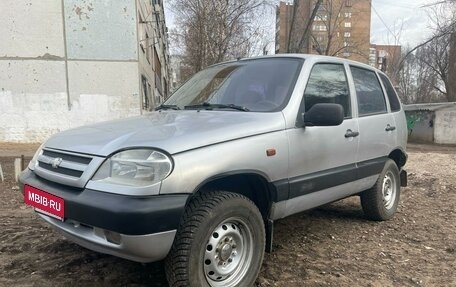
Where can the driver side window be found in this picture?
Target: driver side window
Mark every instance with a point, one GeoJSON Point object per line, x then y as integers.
{"type": "Point", "coordinates": [328, 84]}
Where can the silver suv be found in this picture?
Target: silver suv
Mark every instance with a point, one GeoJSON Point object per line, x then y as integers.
{"type": "Point", "coordinates": [241, 144]}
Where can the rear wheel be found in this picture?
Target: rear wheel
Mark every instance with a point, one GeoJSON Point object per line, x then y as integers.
{"type": "Point", "coordinates": [220, 242]}
{"type": "Point", "coordinates": [381, 201]}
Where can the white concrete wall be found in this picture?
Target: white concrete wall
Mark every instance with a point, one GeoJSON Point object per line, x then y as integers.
{"type": "Point", "coordinates": [34, 105]}
{"type": "Point", "coordinates": [101, 29]}
{"type": "Point", "coordinates": [31, 28]}
{"type": "Point", "coordinates": [30, 90]}
{"type": "Point", "coordinates": [101, 91]}
{"type": "Point", "coordinates": [41, 90]}
{"type": "Point", "coordinates": [445, 126]}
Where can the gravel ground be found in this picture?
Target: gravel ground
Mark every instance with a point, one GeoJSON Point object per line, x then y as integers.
{"type": "Point", "coordinates": [330, 246]}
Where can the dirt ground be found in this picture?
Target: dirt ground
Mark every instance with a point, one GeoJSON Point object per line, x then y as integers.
{"type": "Point", "coordinates": [329, 246]}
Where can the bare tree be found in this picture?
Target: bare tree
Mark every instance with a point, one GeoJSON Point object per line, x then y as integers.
{"type": "Point", "coordinates": [321, 28]}
{"type": "Point", "coordinates": [394, 52]}
{"type": "Point", "coordinates": [438, 60]}
{"type": "Point", "coordinates": [417, 79]}
{"type": "Point", "coordinates": [300, 25]}
{"type": "Point", "coordinates": [435, 58]}
{"type": "Point", "coordinates": [451, 83]}
{"type": "Point", "coordinates": [212, 31]}
{"type": "Point", "coordinates": [406, 79]}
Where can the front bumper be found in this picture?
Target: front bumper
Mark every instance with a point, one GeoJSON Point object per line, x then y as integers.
{"type": "Point", "coordinates": [139, 248]}
{"type": "Point", "coordinates": [139, 228]}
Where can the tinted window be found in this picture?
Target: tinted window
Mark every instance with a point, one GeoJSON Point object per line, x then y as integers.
{"type": "Point", "coordinates": [327, 84]}
{"type": "Point", "coordinates": [260, 85]}
{"type": "Point", "coordinates": [392, 96]}
{"type": "Point", "coordinates": [368, 91]}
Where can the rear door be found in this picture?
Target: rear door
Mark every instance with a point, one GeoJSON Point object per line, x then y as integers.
{"type": "Point", "coordinates": [377, 131]}
{"type": "Point", "coordinates": [396, 111]}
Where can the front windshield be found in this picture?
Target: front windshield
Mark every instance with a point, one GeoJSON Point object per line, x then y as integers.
{"type": "Point", "coordinates": [260, 85]}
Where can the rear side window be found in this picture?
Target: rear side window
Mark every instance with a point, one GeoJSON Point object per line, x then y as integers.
{"type": "Point", "coordinates": [327, 84]}
{"type": "Point", "coordinates": [368, 92]}
{"type": "Point", "coordinates": [391, 93]}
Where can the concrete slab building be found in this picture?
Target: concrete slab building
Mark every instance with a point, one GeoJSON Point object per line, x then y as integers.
{"type": "Point", "coordinates": [67, 63]}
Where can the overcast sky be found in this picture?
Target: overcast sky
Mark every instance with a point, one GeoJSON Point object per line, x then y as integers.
{"type": "Point", "coordinates": [387, 18]}
{"type": "Point", "coordinates": [394, 12]}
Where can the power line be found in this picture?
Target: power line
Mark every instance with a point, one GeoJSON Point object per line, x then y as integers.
{"type": "Point", "coordinates": [394, 4]}
{"type": "Point", "coordinates": [434, 4]}
{"type": "Point", "coordinates": [384, 24]}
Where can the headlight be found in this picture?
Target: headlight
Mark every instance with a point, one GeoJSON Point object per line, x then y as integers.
{"type": "Point", "coordinates": [34, 160]}
{"type": "Point", "coordinates": [136, 167]}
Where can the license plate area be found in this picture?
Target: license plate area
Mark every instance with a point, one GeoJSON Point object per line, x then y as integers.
{"type": "Point", "coordinates": [44, 202]}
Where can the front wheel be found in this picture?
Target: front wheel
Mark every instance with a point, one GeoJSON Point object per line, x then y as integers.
{"type": "Point", "coordinates": [220, 242]}
{"type": "Point", "coordinates": [381, 201]}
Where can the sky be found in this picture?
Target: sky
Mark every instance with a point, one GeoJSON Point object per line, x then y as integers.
{"type": "Point", "coordinates": [387, 17]}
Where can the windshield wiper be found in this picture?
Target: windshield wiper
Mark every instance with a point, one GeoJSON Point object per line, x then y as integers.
{"type": "Point", "coordinates": [167, 107]}
{"type": "Point", "coordinates": [209, 106]}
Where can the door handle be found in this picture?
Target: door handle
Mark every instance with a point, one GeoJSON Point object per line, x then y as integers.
{"type": "Point", "coordinates": [351, 134]}
{"type": "Point", "coordinates": [389, 128]}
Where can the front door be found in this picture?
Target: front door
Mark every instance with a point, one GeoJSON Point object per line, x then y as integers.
{"type": "Point", "coordinates": [323, 157]}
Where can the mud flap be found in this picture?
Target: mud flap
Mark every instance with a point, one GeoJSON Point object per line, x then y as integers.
{"type": "Point", "coordinates": [403, 177]}
{"type": "Point", "coordinates": [269, 234]}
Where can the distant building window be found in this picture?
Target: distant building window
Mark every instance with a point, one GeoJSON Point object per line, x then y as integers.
{"type": "Point", "coordinates": [319, 27]}
{"type": "Point", "coordinates": [321, 17]}
{"type": "Point", "coordinates": [157, 70]}
{"type": "Point", "coordinates": [347, 35]}
{"type": "Point", "coordinates": [348, 14]}
{"type": "Point", "coordinates": [348, 24]}
{"type": "Point", "coordinates": [147, 48]}
{"type": "Point", "coordinates": [145, 93]}
{"type": "Point", "coordinates": [348, 3]}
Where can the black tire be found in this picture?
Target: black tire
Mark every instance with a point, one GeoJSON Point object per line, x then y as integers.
{"type": "Point", "coordinates": [217, 228]}
{"type": "Point", "coordinates": [381, 201]}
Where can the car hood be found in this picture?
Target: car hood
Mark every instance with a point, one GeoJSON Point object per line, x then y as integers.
{"type": "Point", "coordinates": [171, 131]}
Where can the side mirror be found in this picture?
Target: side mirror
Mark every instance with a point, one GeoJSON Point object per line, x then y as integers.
{"type": "Point", "coordinates": [324, 115]}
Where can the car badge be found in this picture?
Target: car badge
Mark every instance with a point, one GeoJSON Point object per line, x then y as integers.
{"type": "Point", "coordinates": [56, 162]}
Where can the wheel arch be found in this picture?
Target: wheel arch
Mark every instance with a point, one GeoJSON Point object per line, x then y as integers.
{"type": "Point", "coordinates": [253, 184]}
{"type": "Point", "coordinates": [399, 156]}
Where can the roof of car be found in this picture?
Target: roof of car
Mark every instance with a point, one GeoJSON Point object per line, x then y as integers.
{"type": "Point", "coordinates": [314, 58]}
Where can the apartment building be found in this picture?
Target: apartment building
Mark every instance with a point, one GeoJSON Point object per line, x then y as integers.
{"type": "Point", "coordinates": [385, 58]}
{"type": "Point", "coordinates": [340, 28]}
{"type": "Point", "coordinates": [69, 63]}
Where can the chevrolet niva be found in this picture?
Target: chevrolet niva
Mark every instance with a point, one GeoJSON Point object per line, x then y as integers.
{"type": "Point", "coordinates": [199, 181]}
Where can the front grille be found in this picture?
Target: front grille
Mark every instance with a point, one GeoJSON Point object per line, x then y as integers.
{"type": "Point", "coordinates": [62, 170]}
{"type": "Point", "coordinates": [68, 168]}
{"type": "Point", "coordinates": [63, 163]}
{"type": "Point", "coordinates": [67, 157]}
